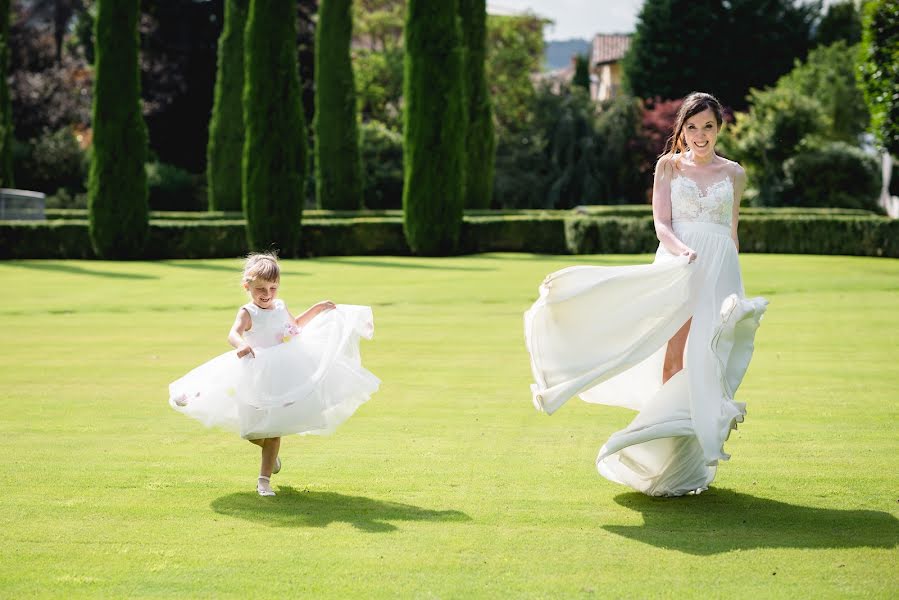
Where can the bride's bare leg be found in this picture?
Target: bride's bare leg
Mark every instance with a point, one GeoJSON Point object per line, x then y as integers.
{"type": "Point", "coordinates": [674, 355]}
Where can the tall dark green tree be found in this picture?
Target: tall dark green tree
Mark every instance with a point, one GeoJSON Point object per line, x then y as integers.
{"type": "Point", "coordinates": [724, 47]}
{"type": "Point", "coordinates": [274, 152]}
{"type": "Point", "coordinates": [6, 177]}
{"type": "Point", "coordinates": [842, 21]}
{"type": "Point", "coordinates": [581, 71]}
{"type": "Point", "coordinates": [117, 183]}
{"type": "Point", "coordinates": [480, 140]}
{"type": "Point", "coordinates": [434, 127]}
{"type": "Point", "coordinates": [879, 70]}
{"type": "Point", "coordinates": [338, 175]}
{"type": "Point", "coordinates": [225, 148]}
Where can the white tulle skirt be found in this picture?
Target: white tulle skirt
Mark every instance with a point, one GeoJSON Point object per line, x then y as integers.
{"type": "Point", "coordinates": [601, 333]}
{"type": "Point", "coordinates": [307, 386]}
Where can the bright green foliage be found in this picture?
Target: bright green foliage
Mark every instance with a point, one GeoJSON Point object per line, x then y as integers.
{"type": "Point", "coordinates": [581, 72]}
{"type": "Point", "coordinates": [338, 176]}
{"type": "Point", "coordinates": [434, 127]}
{"type": "Point", "coordinates": [480, 141]}
{"type": "Point", "coordinates": [828, 76]}
{"type": "Point", "coordinates": [879, 70]}
{"type": "Point", "coordinates": [274, 153]}
{"type": "Point", "coordinates": [226, 129]}
{"type": "Point", "coordinates": [842, 21]}
{"type": "Point", "coordinates": [763, 138]}
{"type": "Point", "coordinates": [117, 181]}
{"type": "Point", "coordinates": [447, 484]}
{"type": "Point", "coordinates": [717, 46]}
{"type": "Point", "coordinates": [6, 133]}
{"type": "Point", "coordinates": [378, 60]}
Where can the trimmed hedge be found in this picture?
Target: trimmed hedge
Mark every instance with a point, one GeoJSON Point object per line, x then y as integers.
{"type": "Point", "coordinates": [547, 233]}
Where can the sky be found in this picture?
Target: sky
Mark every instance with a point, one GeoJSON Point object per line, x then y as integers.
{"type": "Point", "coordinates": [576, 18]}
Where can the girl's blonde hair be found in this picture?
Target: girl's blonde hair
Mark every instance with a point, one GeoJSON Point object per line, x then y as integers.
{"type": "Point", "coordinates": [261, 265]}
{"type": "Point", "coordinates": [693, 104]}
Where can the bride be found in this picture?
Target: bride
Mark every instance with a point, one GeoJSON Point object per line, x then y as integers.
{"type": "Point", "coordinates": [671, 339]}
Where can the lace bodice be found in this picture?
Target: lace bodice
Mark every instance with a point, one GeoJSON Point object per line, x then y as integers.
{"type": "Point", "coordinates": [689, 203]}
{"type": "Point", "coordinates": [270, 326]}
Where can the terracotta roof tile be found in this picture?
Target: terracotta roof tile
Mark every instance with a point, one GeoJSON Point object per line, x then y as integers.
{"type": "Point", "coordinates": [609, 47]}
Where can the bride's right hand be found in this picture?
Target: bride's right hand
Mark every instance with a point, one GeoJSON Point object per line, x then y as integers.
{"type": "Point", "coordinates": [691, 254]}
{"type": "Point", "coordinates": [244, 350]}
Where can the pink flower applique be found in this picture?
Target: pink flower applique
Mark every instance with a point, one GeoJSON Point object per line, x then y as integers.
{"type": "Point", "coordinates": [290, 331]}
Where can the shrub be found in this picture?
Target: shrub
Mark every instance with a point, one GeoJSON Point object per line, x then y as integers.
{"type": "Point", "coordinates": [51, 161]}
{"type": "Point", "coordinates": [172, 188]}
{"type": "Point", "coordinates": [382, 166]}
{"type": "Point", "coordinates": [832, 174]}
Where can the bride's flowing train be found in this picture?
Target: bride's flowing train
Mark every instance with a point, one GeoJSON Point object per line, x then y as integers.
{"type": "Point", "coordinates": [601, 333]}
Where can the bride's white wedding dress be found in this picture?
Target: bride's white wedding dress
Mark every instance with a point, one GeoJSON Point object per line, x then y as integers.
{"type": "Point", "coordinates": [601, 333]}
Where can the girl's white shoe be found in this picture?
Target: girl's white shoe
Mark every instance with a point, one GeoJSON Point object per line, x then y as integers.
{"type": "Point", "coordinates": [277, 468]}
{"type": "Point", "coordinates": [264, 486]}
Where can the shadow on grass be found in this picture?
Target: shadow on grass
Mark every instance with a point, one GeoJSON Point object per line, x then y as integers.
{"type": "Point", "coordinates": [395, 264]}
{"type": "Point", "coordinates": [724, 520]}
{"type": "Point", "coordinates": [303, 508]}
{"type": "Point", "coordinates": [77, 270]}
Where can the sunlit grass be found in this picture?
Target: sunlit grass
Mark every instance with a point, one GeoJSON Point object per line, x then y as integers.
{"type": "Point", "coordinates": [448, 483]}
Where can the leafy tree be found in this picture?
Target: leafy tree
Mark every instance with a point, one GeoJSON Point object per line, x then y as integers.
{"type": "Point", "coordinates": [338, 178]}
{"type": "Point", "coordinates": [274, 153]}
{"type": "Point", "coordinates": [378, 60]}
{"type": "Point", "coordinates": [6, 137]}
{"type": "Point", "coordinates": [225, 148]}
{"type": "Point", "coordinates": [622, 176]}
{"type": "Point", "coordinates": [879, 70]}
{"type": "Point", "coordinates": [581, 72]}
{"type": "Point", "coordinates": [724, 47]}
{"type": "Point", "coordinates": [572, 148]}
{"type": "Point", "coordinates": [514, 52]}
{"type": "Point", "coordinates": [842, 21]}
{"type": "Point", "coordinates": [480, 143]}
{"type": "Point", "coordinates": [829, 76]}
{"type": "Point", "coordinates": [434, 127]}
{"type": "Point", "coordinates": [117, 183]}
{"type": "Point", "coordinates": [763, 138]}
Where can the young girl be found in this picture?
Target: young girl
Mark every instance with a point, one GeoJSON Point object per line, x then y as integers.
{"type": "Point", "coordinates": [672, 339]}
{"type": "Point", "coordinates": [288, 375]}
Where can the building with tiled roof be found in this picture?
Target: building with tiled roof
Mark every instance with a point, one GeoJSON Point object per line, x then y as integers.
{"type": "Point", "coordinates": [606, 53]}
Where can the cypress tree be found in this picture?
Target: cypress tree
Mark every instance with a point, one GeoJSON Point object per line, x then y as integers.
{"type": "Point", "coordinates": [117, 183]}
{"type": "Point", "coordinates": [434, 127]}
{"type": "Point", "coordinates": [274, 152]}
{"type": "Point", "coordinates": [6, 178]}
{"type": "Point", "coordinates": [338, 174]}
{"type": "Point", "coordinates": [581, 72]}
{"type": "Point", "coordinates": [225, 148]}
{"type": "Point", "coordinates": [480, 140]}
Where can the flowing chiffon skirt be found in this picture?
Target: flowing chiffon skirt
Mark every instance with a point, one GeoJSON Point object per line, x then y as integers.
{"type": "Point", "coordinates": [601, 333]}
{"type": "Point", "coordinates": [308, 385]}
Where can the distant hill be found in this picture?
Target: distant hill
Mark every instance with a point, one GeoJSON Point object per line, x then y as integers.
{"type": "Point", "coordinates": [558, 53]}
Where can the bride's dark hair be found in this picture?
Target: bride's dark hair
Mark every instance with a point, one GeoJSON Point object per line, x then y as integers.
{"type": "Point", "coordinates": [693, 104]}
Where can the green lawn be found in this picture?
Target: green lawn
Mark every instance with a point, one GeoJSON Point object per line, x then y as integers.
{"type": "Point", "coordinates": [448, 484]}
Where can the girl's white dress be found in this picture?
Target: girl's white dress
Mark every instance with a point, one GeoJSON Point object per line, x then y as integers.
{"type": "Point", "coordinates": [305, 381]}
{"type": "Point", "coordinates": [601, 333]}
